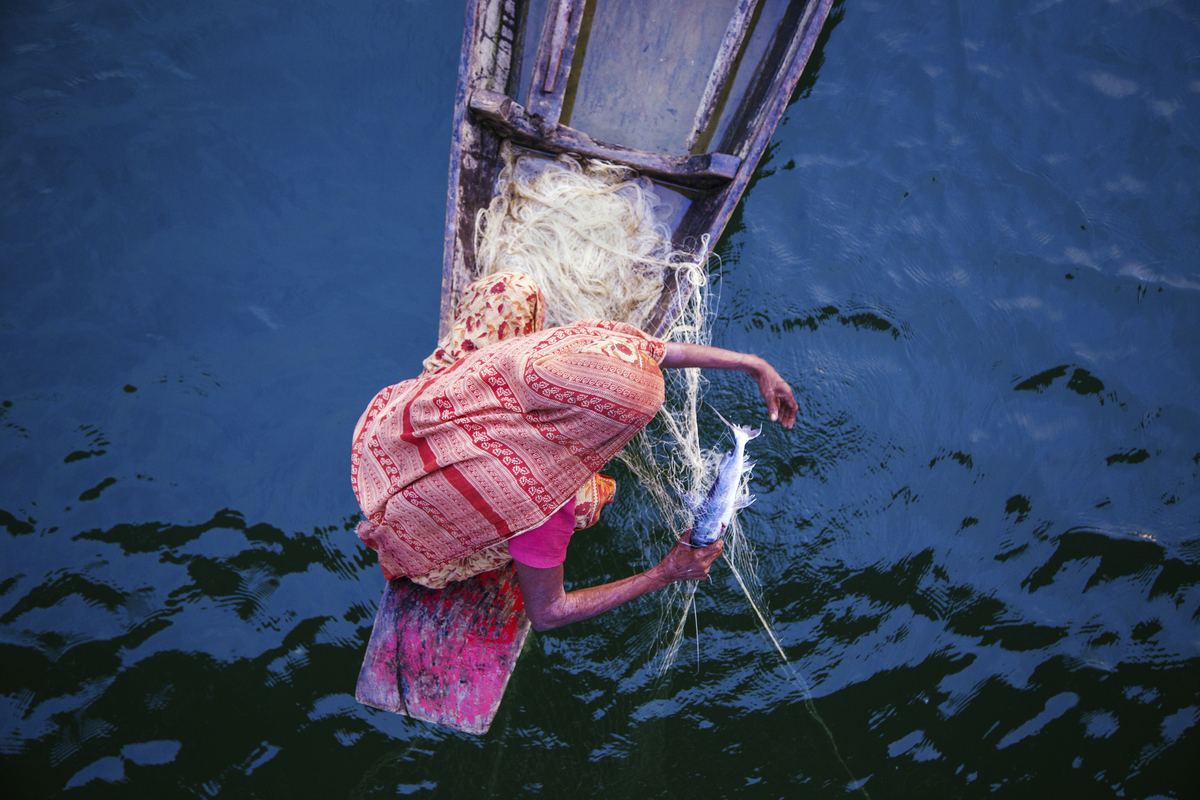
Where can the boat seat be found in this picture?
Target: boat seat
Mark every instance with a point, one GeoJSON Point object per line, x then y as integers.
{"type": "Point", "coordinates": [508, 119]}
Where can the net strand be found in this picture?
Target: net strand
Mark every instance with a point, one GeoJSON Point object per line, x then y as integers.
{"type": "Point", "coordinates": [590, 233]}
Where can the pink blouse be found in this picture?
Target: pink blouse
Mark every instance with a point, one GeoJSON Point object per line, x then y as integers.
{"type": "Point", "coordinates": [546, 546]}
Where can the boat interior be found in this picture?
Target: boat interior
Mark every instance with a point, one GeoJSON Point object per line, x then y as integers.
{"type": "Point", "coordinates": [668, 87]}
{"type": "Point", "coordinates": [686, 92]}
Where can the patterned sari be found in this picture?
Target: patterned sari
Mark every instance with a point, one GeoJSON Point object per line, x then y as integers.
{"type": "Point", "coordinates": [506, 424]}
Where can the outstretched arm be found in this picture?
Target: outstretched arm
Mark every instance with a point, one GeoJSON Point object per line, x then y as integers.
{"type": "Point", "coordinates": [550, 606]}
{"type": "Point", "coordinates": [781, 404]}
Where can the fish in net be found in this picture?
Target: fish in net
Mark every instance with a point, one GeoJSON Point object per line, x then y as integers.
{"type": "Point", "coordinates": [594, 236]}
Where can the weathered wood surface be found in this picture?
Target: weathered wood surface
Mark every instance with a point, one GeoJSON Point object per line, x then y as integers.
{"type": "Point", "coordinates": [445, 656]}
{"type": "Point", "coordinates": [556, 51]}
{"type": "Point", "coordinates": [637, 76]}
{"type": "Point", "coordinates": [751, 129]}
{"type": "Point", "coordinates": [484, 63]}
{"type": "Point", "coordinates": [644, 69]}
{"type": "Point", "coordinates": [506, 117]}
{"type": "Point", "coordinates": [558, 43]}
{"type": "Point", "coordinates": [731, 45]}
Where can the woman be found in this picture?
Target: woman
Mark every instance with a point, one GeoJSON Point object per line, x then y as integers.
{"type": "Point", "coordinates": [493, 453]}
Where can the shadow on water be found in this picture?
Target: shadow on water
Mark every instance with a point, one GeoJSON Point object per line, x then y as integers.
{"type": "Point", "coordinates": [219, 658]}
{"type": "Point", "coordinates": [173, 633]}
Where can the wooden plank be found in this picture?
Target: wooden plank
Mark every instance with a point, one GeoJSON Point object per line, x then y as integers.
{"type": "Point", "coordinates": [749, 135]}
{"type": "Point", "coordinates": [445, 656]}
{"type": "Point", "coordinates": [484, 62]}
{"type": "Point", "coordinates": [510, 121]}
{"type": "Point", "coordinates": [771, 89]}
{"type": "Point", "coordinates": [640, 69]}
{"type": "Point", "coordinates": [558, 43]}
{"type": "Point", "coordinates": [556, 51]}
{"type": "Point", "coordinates": [762, 108]}
{"type": "Point", "coordinates": [731, 45]}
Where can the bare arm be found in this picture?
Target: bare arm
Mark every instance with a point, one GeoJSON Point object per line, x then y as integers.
{"type": "Point", "coordinates": [781, 403]}
{"type": "Point", "coordinates": [550, 606]}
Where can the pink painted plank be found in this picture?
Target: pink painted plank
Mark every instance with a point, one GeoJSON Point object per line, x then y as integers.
{"type": "Point", "coordinates": [445, 656]}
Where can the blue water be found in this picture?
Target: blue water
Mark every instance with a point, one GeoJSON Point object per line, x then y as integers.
{"type": "Point", "coordinates": [971, 249]}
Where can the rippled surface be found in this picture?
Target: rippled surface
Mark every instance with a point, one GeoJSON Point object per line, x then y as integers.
{"type": "Point", "coordinates": [971, 249]}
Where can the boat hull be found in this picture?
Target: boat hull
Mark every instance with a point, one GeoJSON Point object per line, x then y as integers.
{"type": "Point", "coordinates": [446, 656]}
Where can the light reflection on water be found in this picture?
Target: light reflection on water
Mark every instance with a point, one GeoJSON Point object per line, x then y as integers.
{"type": "Point", "coordinates": [969, 248]}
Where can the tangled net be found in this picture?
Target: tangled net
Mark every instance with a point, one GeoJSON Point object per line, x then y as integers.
{"type": "Point", "coordinates": [592, 234]}
{"type": "Point", "coordinates": [587, 232]}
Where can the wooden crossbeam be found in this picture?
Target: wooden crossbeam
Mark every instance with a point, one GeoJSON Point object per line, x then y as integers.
{"type": "Point", "coordinates": [509, 120]}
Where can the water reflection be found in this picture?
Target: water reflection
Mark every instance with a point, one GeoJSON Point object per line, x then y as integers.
{"type": "Point", "coordinates": [128, 663]}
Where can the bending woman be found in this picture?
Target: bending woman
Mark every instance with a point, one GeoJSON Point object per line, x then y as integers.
{"type": "Point", "coordinates": [493, 453]}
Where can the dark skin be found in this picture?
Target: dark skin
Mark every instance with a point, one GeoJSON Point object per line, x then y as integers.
{"type": "Point", "coordinates": [549, 605]}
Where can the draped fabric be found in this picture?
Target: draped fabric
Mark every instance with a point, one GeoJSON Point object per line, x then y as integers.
{"type": "Point", "coordinates": [591, 499]}
{"type": "Point", "coordinates": [491, 309]}
{"type": "Point", "coordinates": [501, 306]}
{"type": "Point", "coordinates": [473, 452]}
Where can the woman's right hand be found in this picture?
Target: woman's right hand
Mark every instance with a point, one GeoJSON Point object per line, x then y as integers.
{"type": "Point", "coordinates": [549, 606]}
{"type": "Point", "coordinates": [687, 563]}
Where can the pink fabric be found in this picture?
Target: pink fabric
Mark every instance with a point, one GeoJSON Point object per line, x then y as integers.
{"type": "Point", "coordinates": [546, 546]}
{"type": "Point", "coordinates": [490, 310]}
{"type": "Point", "coordinates": [456, 461]}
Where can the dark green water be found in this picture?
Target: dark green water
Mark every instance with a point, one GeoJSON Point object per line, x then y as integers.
{"type": "Point", "coordinates": [971, 248]}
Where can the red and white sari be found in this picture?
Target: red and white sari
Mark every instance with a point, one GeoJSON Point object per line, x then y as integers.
{"type": "Point", "coordinates": [507, 423]}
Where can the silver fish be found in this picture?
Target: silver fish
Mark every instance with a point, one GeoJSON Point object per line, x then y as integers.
{"type": "Point", "coordinates": [714, 512]}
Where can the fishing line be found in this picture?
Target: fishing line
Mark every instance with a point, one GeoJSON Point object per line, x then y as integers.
{"type": "Point", "coordinates": [806, 692]}
{"type": "Point", "coordinates": [594, 237]}
{"type": "Point", "coordinates": [738, 552]}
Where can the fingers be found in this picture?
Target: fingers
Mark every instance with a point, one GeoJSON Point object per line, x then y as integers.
{"type": "Point", "coordinates": [697, 562]}
{"type": "Point", "coordinates": [789, 407]}
{"type": "Point", "coordinates": [711, 553]}
{"type": "Point", "coordinates": [781, 403]}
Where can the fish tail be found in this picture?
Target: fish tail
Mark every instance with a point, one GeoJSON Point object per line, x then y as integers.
{"type": "Point", "coordinates": [747, 432]}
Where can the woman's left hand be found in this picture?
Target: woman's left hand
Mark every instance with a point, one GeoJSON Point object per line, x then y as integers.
{"type": "Point", "coordinates": [781, 403]}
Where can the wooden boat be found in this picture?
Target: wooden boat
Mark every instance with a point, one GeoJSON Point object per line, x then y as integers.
{"type": "Point", "coordinates": [692, 90]}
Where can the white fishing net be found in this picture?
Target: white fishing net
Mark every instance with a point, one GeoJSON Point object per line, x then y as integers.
{"type": "Point", "coordinates": [587, 232]}
{"type": "Point", "coordinates": [594, 237]}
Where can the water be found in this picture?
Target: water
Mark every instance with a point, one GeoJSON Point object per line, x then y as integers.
{"type": "Point", "coordinates": [970, 248]}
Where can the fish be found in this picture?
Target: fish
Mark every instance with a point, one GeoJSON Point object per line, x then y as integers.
{"type": "Point", "coordinates": [715, 511]}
